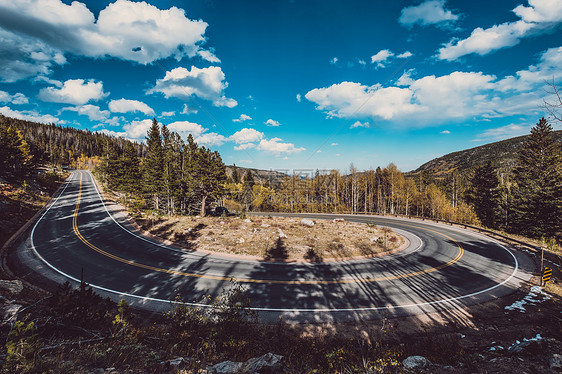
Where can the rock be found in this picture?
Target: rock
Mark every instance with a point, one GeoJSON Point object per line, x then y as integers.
{"type": "Point", "coordinates": [414, 363]}
{"type": "Point", "coordinates": [282, 235]}
{"type": "Point", "coordinates": [241, 241]}
{"type": "Point", "coordinates": [265, 225]}
{"type": "Point", "coordinates": [527, 346]}
{"type": "Point", "coordinates": [247, 220]}
{"type": "Point", "coordinates": [268, 363]}
{"type": "Point", "coordinates": [12, 286]}
{"type": "Point", "coordinates": [307, 222]}
{"type": "Point", "coordinates": [556, 362]}
{"type": "Point", "coordinates": [8, 310]}
{"type": "Point", "coordinates": [338, 220]}
{"type": "Point", "coordinates": [226, 367]}
{"type": "Point", "coordinates": [374, 239]}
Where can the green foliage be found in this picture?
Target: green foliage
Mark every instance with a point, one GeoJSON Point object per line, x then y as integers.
{"type": "Point", "coordinates": [14, 152]}
{"type": "Point", "coordinates": [484, 195]}
{"type": "Point", "coordinates": [82, 307]}
{"type": "Point", "coordinates": [22, 348]}
{"type": "Point", "coordinates": [537, 193]}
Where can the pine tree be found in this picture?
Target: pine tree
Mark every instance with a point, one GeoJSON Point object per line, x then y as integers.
{"type": "Point", "coordinates": [484, 195]}
{"type": "Point", "coordinates": [130, 170]}
{"type": "Point", "coordinates": [235, 175]}
{"type": "Point", "coordinates": [537, 194]}
{"type": "Point", "coordinates": [14, 152]}
{"type": "Point", "coordinates": [153, 165]}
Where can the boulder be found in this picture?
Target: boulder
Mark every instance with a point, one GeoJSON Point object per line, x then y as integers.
{"type": "Point", "coordinates": [307, 222]}
{"type": "Point", "coordinates": [226, 367]}
{"type": "Point", "coordinates": [556, 362]}
{"type": "Point", "coordinates": [12, 286]}
{"type": "Point", "coordinates": [282, 235]}
{"type": "Point", "coordinates": [268, 363]}
{"type": "Point", "coordinates": [414, 363]}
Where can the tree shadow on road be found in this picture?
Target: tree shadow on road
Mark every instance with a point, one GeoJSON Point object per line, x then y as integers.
{"type": "Point", "coordinates": [277, 252]}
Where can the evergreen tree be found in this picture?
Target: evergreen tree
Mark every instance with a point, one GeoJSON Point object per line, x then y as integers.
{"type": "Point", "coordinates": [484, 195]}
{"type": "Point", "coordinates": [247, 189]}
{"type": "Point", "coordinates": [14, 152]}
{"type": "Point", "coordinates": [152, 166]}
{"type": "Point", "coordinates": [249, 179]}
{"type": "Point", "coordinates": [537, 194]}
{"type": "Point", "coordinates": [130, 170]}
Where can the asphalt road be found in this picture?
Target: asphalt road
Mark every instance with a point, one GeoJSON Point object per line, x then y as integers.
{"type": "Point", "coordinates": [443, 269]}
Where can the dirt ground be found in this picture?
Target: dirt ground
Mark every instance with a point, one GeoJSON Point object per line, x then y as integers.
{"type": "Point", "coordinates": [275, 238]}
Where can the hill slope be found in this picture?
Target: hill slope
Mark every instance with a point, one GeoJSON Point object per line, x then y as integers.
{"type": "Point", "coordinates": [503, 154]}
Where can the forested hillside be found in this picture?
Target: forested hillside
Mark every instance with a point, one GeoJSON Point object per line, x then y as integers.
{"type": "Point", "coordinates": [502, 154]}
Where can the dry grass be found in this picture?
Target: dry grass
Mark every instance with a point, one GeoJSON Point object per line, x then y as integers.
{"type": "Point", "coordinates": [274, 237]}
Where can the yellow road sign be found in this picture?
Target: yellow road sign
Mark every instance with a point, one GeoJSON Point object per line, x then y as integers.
{"type": "Point", "coordinates": [547, 273]}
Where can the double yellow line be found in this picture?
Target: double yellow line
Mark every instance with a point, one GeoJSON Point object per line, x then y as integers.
{"type": "Point", "coordinates": [247, 280]}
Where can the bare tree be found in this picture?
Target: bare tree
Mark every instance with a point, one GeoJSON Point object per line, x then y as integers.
{"type": "Point", "coordinates": [554, 107]}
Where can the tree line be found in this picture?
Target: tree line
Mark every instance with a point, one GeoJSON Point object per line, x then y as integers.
{"type": "Point", "coordinates": [524, 199]}
{"type": "Point", "coordinates": [170, 175]}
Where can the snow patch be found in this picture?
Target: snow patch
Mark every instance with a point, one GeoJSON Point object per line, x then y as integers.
{"type": "Point", "coordinates": [535, 296]}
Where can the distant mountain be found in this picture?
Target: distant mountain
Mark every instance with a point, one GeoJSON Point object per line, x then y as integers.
{"type": "Point", "coordinates": [503, 154]}
{"type": "Point", "coordinates": [266, 177]}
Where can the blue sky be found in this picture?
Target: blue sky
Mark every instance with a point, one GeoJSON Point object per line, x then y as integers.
{"type": "Point", "coordinates": [287, 84]}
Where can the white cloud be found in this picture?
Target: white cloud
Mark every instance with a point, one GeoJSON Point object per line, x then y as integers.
{"type": "Point", "coordinates": [17, 98]}
{"type": "Point", "coordinates": [117, 134]}
{"type": "Point", "coordinates": [432, 100]}
{"type": "Point", "coordinates": [243, 147]}
{"type": "Point", "coordinates": [168, 114]}
{"type": "Point", "coordinates": [427, 13]}
{"type": "Point", "coordinates": [275, 146]}
{"type": "Point", "coordinates": [184, 128]}
{"type": "Point", "coordinates": [92, 111]}
{"type": "Point", "coordinates": [189, 109]}
{"type": "Point", "coordinates": [541, 16]}
{"type": "Point", "coordinates": [74, 91]}
{"type": "Point", "coordinates": [247, 135]}
{"type": "Point", "coordinates": [334, 61]}
{"type": "Point", "coordinates": [381, 57]}
{"type": "Point", "coordinates": [362, 62]}
{"type": "Point", "coordinates": [406, 54]}
{"type": "Point", "coordinates": [503, 132]}
{"type": "Point", "coordinates": [126, 106]}
{"type": "Point", "coordinates": [137, 130]}
{"type": "Point", "coordinates": [360, 124]}
{"type": "Point", "coordinates": [334, 144]}
{"type": "Point", "coordinates": [243, 117]}
{"type": "Point", "coordinates": [209, 56]}
{"type": "Point", "coordinates": [272, 123]}
{"type": "Point", "coordinates": [210, 139]}
{"type": "Point", "coordinates": [135, 31]}
{"type": "Point", "coordinates": [445, 132]}
{"type": "Point", "coordinates": [206, 83]}
{"type": "Point", "coordinates": [299, 97]}
{"type": "Point", "coordinates": [29, 115]}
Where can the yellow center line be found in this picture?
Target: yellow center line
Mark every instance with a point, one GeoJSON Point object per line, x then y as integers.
{"type": "Point", "coordinates": [247, 280]}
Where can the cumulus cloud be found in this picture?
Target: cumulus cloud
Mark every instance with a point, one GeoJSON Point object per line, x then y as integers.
{"type": "Point", "coordinates": [360, 124]}
{"type": "Point", "coordinates": [93, 112]}
{"type": "Point", "coordinates": [445, 132]}
{"type": "Point", "coordinates": [427, 13]}
{"type": "Point", "coordinates": [29, 115]}
{"type": "Point", "coordinates": [381, 58]}
{"type": "Point", "coordinates": [210, 139]}
{"type": "Point", "coordinates": [137, 130]}
{"type": "Point", "coordinates": [168, 114]}
{"type": "Point", "coordinates": [74, 91]}
{"type": "Point", "coordinates": [189, 109]}
{"type": "Point", "coordinates": [406, 54]}
{"type": "Point", "coordinates": [435, 99]}
{"type": "Point", "coordinates": [247, 135]}
{"type": "Point", "coordinates": [206, 83]}
{"type": "Point", "coordinates": [276, 146]}
{"type": "Point", "coordinates": [17, 98]}
{"type": "Point", "coordinates": [272, 123]}
{"type": "Point", "coordinates": [299, 97]}
{"type": "Point", "coordinates": [184, 128]}
{"type": "Point", "coordinates": [126, 106]}
{"type": "Point", "coordinates": [134, 31]}
{"type": "Point", "coordinates": [539, 17]}
{"type": "Point", "coordinates": [243, 117]}
{"type": "Point", "coordinates": [503, 132]}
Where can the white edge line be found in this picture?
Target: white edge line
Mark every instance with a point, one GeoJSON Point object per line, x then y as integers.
{"type": "Point", "coordinates": [442, 301]}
